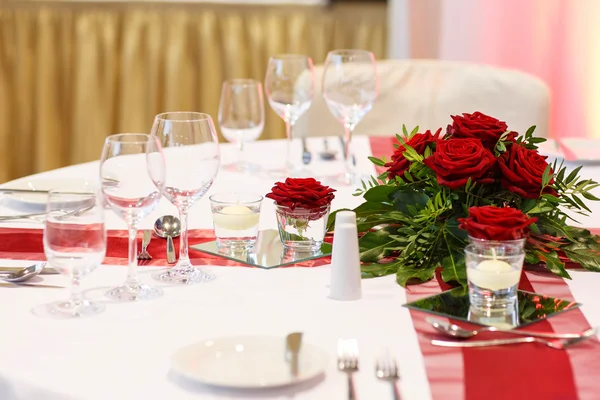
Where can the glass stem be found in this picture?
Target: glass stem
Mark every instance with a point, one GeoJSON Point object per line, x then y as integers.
{"type": "Point", "coordinates": [76, 297]}
{"type": "Point", "coordinates": [289, 129]}
{"type": "Point", "coordinates": [132, 273]}
{"type": "Point", "coordinates": [349, 159]}
{"type": "Point", "coordinates": [184, 259]}
{"type": "Point", "coordinates": [241, 157]}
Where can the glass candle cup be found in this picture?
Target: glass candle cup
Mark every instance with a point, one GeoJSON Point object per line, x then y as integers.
{"type": "Point", "coordinates": [302, 229]}
{"type": "Point", "coordinates": [493, 273]}
{"type": "Point", "coordinates": [235, 220]}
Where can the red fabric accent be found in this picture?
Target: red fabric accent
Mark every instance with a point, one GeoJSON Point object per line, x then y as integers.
{"type": "Point", "coordinates": [27, 244]}
{"type": "Point", "coordinates": [382, 146]}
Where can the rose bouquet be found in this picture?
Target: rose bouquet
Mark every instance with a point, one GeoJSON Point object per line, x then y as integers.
{"type": "Point", "coordinates": [410, 217]}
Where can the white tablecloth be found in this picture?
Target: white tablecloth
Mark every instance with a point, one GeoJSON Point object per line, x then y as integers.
{"type": "Point", "coordinates": [124, 352]}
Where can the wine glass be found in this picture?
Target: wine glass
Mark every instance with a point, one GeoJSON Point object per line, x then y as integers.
{"type": "Point", "coordinates": [290, 88]}
{"type": "Point", "coordinates": [191, 149]}
{"type": "Point", "coordinates": [75, 245]}
{"type": "Point", "coordinates": [241, 117]}
{"type": "Point", "coordinates": [350, 88]}
{"type": "Point", "coordinates": [132, 172]}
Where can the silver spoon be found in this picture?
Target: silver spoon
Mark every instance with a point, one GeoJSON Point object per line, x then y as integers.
{"type": "Point", "coordinates": [168, 227]}
{"type": "Point", "coordinates": [23, 274]}
{"type": "Point", "coordinates": [458, 332]}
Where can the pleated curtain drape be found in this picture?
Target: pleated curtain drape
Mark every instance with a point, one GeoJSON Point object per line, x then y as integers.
{"type": "Point", "coordinates": [71, 74]}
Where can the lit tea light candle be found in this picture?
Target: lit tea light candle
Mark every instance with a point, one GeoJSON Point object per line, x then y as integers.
{"type": "Point", "coordinates": [236, 218]}
{"type": "Point", "coordinates": [494, 275]}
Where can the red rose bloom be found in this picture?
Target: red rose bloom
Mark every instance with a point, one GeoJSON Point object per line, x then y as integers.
{"type": "Point", "coordinates": [496, 223]}
{"type": "Point", "coordinates": [522, 170]}
{"type": "Point", "coordinates": [479, 126]}
{"type": "Point", "coordinates": [419, 142]}
{"type": "Point", "coordinates": [456, 160]}
{"type": "Point", "coordinates": [306, 193]}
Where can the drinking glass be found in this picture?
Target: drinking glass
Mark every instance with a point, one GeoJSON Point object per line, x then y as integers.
{"type": "Point", "coordinates": [75, 245]}
{"type": "Point", "coordinates": [241, 117]}
{"type": "Point", "coordinates": [235, 219]}
{"type": "Point", "coordinates": [493, 273]}
{"type": "Point", "coordinates": [350, 87]}
{"type": "Point", "coordinates": [136, 167]}
{"type": "Point", "coordinates": [191, 149]}
{"type": "Point", "coordinates": [290, 88]}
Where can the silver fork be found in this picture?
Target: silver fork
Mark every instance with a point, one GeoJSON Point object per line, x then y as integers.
{"type": "Point", "coordinates": [554, 344]}
{"type": "Point", "coordinates": [348, 362]}
{"type": "Point", "coordinates": [386, 369]}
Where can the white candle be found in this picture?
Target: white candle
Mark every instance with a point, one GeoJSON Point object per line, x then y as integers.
{"type": "Point", "coordinates": [494, 275]}
{"type": "Point", "coordinates": [236, 218]}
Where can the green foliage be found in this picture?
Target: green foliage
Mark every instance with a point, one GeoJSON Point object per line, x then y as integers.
{"type": "Point", "coordinates": [410, 223]}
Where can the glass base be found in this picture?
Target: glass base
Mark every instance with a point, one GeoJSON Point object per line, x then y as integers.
{"type": "Point", "coordinates": [134, 291]}
{"type": "Point", "coordinates": [69, 309]}
{"type": "Point", "coordinates": [184, 275]}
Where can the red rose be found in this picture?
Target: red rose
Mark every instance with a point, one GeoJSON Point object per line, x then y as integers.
{"type": "Point", "coordinates": [419, 142]}
{"type": "Point", "coordinates": [305, 193]}
{"type": "Point", "coordinates": [496, 223]}
{"type": "Point", "coordinates": [479, 126]}
{"type": "Point", "coordinates": [522, 170]}
{"type": "Point", "coordinates": [456, 160]}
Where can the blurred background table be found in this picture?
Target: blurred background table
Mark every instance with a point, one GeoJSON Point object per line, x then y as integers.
{"type": "Point", "coordinates": [72, 73]}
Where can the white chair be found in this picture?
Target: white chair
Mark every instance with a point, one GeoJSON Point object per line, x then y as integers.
{"type": "Point", "coordinates": [425, 93]}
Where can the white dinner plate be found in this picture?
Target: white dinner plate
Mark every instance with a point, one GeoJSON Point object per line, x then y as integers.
{"type": "Point", "coordinates": [38, 200]}
{"type": "Point", "coordinates": [246, 362]}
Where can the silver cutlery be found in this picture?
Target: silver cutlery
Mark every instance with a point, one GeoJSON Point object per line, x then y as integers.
{"type": "Point", "coordinates": [458, 332]}
{"type": "Point", "coordinates": [45, 271]}
{"type": "Point", "coordinates": [293, 343]}
{"type": "Point", "coordinates": [30, 285]}
{"type": "Point", "coordinates": [168, 227]}
{"type": "Point", "coordinates": [347, 362]}
{"type": "Point", "coordinates": [144, 255]}
{"type": "Point", "coordinates": [40, 217]}
{"type": "Point", "coordinates": [23, 274]}
{"type": "Point", "coordinates": [306, 154]}
{"type": "Point", "coordinates": [386, 369]}
{"type": "Point", "coordinates": [558, 344]}
{"type": "Point", "coordinates": [326, 154]}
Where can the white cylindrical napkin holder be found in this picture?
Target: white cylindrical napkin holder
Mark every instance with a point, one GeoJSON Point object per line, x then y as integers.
{"type": "Point", "coordinates": [345, 259]}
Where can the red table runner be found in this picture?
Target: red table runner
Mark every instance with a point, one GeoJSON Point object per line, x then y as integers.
{"type": "Point", "coordinates": [27, 244]}
{"type": "Point", "coordinates": [525, 371]}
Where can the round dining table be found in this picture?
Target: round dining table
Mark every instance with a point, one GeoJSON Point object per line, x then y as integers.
{"type": "Point", "coordinates": [125, 352]}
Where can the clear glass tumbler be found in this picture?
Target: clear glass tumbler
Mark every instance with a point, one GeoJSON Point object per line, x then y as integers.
{"type": "Point", "coordinates": [235, 219]}
{"type": "Point", "coordinates": [301, 229]}
{"type": "Point", "coordinates": [493, 274]}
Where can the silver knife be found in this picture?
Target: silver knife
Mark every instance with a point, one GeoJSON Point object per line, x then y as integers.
{"type": "Point", "coordinates": [170, 251]}
{"type": "Point", "coordinates": [293, 343]}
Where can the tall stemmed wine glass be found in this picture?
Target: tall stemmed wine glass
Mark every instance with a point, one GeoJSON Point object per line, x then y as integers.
{"type": "Point", "coordinates": [241, 117]}
{"type": "Point", "coordinates": [290, 88]}
{"type": "Point", "coordinates": [191, 149]}
{"type": "Point", "coordinates": [350, 88]}
{"type": "Point", "coordinates": [74, 244]}
{"type": "Point", "coordinates": [132, 171]}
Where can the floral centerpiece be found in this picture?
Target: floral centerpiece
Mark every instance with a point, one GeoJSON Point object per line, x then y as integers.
{"type": "Point", "coordinates": [411, 214]}
{"type": "Point", "coordinates": [302, 206]}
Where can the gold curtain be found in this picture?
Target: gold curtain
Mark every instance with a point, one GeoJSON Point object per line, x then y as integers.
{"type": "Point", "coordinates": [71, 74]}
